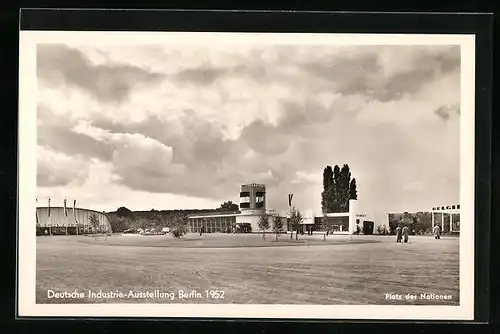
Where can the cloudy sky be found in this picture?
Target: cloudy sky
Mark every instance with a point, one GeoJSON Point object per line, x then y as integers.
{"type": "Point", "coordinates": [182, 126]}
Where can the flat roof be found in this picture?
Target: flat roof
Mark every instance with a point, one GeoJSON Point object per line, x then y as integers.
{"type": "Point", "coordinates": [215, 216]}
{"type": "Point", "coordinates": [338, 214]}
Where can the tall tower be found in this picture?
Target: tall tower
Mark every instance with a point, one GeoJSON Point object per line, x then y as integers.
{"type": "Point", "coordinates": [253, 197]}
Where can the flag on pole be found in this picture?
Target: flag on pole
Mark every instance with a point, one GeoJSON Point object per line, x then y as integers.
{"type": "Point", "coordinates": [49, 206]}
{"type": "Point", "coordinates": [65, 210]}
{"type": "Point", "coordinates": [74, 211]}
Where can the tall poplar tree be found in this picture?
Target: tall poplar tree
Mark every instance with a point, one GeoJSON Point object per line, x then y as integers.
{"type": "Point", "coordinates": [335, 200]}
{"type": "Point", "coordinates": [326, 195]}
{"type": "Point", "coordinates": [338, 189]}
{"type": "Point", "coordinates": [343, 188]}
{"type": "Point", "coordinates": [353, 192]}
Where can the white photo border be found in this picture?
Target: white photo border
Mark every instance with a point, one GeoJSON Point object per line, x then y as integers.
{"type": "Point", "coordinates": [26, 280]}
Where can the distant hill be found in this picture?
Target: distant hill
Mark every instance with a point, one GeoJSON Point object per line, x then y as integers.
{"type": "Point", "coordinates": [124, 219]}
{"type": "Point", "coordinates": [151, 213]}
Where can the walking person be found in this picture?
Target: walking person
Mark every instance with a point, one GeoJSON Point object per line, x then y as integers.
{"type": "Point", "coordinates": [399, 232]}
{"type": "Point", "coordinates": [406, 232]}
{"type": "Point", "coordinates": [437, 232]}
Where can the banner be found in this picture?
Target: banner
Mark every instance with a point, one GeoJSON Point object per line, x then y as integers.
{"type": "Point", "coordinates": [290, 196]}
{"type": "Point", "coordinates": [49, 206]}
{"type": "Point", "coordinates": [65, 210]}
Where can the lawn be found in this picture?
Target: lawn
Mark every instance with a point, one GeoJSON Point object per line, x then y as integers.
{"type": "Point", "coordinates": [341, 270]}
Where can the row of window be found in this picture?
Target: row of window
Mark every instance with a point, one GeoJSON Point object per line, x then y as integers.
{"type": "Point", "coordinates": [247, 194]}
{"type": "Point", "coordinates": [223, 225]}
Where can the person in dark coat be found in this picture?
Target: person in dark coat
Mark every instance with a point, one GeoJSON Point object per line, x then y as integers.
{"type": "Point", "coordinates": [399, 232]}
{"type": "Point", "coordinates": [406, 232]}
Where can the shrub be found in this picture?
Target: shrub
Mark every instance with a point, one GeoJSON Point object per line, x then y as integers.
{"type": "Point", "coordinates": [177, 233]}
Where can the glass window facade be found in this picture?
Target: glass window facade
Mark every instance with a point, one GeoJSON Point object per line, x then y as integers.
{"type": "Point", "coordinates": [212, 224]}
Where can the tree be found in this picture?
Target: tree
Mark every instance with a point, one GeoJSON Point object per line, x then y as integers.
{"type": "Point", "coordinates": [338, 189]}
{"type": "Point", "coordinates": [277, 226]}
{"type": "Point", "coordinates": [179, 225]}
{"type": "Point", "coordinates": [335, 201]}
{"type": "Point", "coordinates": [156, 220]}
{"type": "Point", "coordinates": [295, 221]}
{"type": "Point", "coordinates": [94, 221]}
{"type": "Point", "coordinates": [419, 227]}
{"type": "Point", "coordinates": [333, 194]}
{"type": "Point", "coordinates": [119, 224]}
{"type": "Point", "coordinates": [384, 230]}
{"type": "Point", "coordinates": [229, 206]}
{"type": "Point", "coordinates": [328, 202]}
{"type": "Point", "coordinates": [353, 192]}
{"type": "Point", "coordinates": [407, 220]}
{"type": "Point", "coordinates": [263, 224]}
{"type": "Point", "coordinates": [343, 188]}
{"type": "Point", "coordinates": [393, 224]}
{"type": "Point", "coordinates": [327, 195]}
{"type": "Point", "coordinates": [142, 222]}
{"type": "Point", "coordinates": [326, 224]}
{"type": "Point", "coordinates": [124, 212]}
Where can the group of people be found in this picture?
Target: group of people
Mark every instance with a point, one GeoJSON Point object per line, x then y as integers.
{"type": "Point", "coordinates": [402, 233]}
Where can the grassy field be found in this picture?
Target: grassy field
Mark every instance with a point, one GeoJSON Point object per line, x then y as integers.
{"type": "Point", "coordinates": [341, 270]}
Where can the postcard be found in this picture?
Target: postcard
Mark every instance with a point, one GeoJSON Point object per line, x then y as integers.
{"type": "Point", "coordinates": [246, 175]}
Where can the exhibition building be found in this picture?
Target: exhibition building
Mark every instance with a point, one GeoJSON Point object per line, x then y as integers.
{"type": "Point", "coordinates": [253, 206]}
{"type": "Point", "coordinates": [64, 221]}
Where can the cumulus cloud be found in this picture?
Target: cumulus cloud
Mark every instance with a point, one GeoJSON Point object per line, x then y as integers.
{"type": "Point", "coordinates": [217, 117]}
{"type": "Point", "coordinates": [60, 65]}
{"type": "Point", "coordinates": [59, 169]}
{"type": "Point", "coordinates": [305, 177]}
{"type": "Point", "coordinates": [139, 162]}
{"type": "Point", "coordinates": [55, 131]}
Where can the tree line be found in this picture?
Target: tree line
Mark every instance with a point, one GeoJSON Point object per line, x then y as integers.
{"type": "Point", "coordinates": [176, 220]}
{"type": "Point", "coordinates": [338, 189]}
{"type": "Point", "coordinates": [419, 222]}
{"type": "Point", "coordinates": [123, 218]}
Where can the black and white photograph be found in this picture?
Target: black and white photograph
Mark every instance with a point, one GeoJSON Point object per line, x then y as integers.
{"type": "Point", "coordinates": [247, 175]}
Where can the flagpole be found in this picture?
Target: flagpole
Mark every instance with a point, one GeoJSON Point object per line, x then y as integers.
{"type": "Point", "coordinates": [50, 220]}
{"type": "Point", "coordinates": [36, 212]}
{"type": "Point", "coordinates": [290, 197]}
{"type": "Point", "coordinates": [36, 215]}
{"type": "Point", "coordinates": [66, 216]}
{"type": "Point", "coordinates": [74, 217]}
